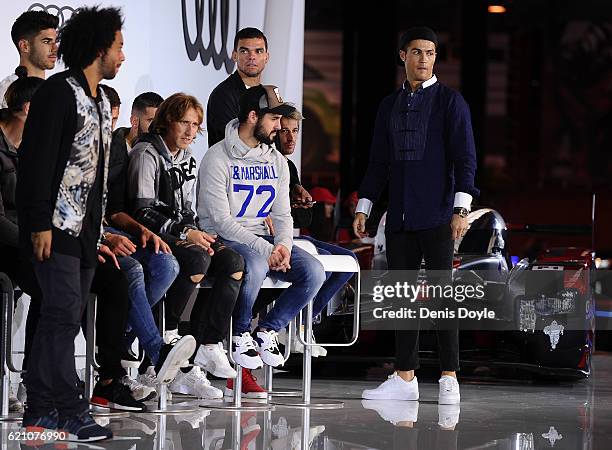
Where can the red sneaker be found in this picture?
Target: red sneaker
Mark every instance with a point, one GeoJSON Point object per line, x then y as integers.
{"type": "Point", "coordinates": [250, 388]}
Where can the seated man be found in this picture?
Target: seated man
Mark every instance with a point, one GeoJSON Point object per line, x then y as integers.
{"type": "Point", "coordinates": [161, 177]}
{"type": "Point", "coordinates": [301, 202]}
{"type": "Point", "coordinates": [144, 258]}
{"type": "Point", "coordinates": [243, 179]}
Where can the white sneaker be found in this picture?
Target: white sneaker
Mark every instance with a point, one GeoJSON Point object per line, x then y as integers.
{"type": "Point", "coordinates": [267, 346]}
{"type": "Point", "coordinates": [394, 389]}
{"type": "Point", "coordinates": [15, 405]}
{"type": "Point", "coordinates": [213, 359]}
{"type": "Point", "coordinates": [394, 411]}
{"type": "Point", "coordinates": [170, 335]}
{"type": "Point", "coordinates": [195, 383]}
{"type": "Point", "coordinates": [140, 392]}
{"type": "Point", "coordinates": [448, 416]}
{"type": "Point", "coordinates": [449, 391]}
{"type": "Point", "coordinates": [294, 438]}
{"type": "Point", "coordinates": [298, 347]}
{"type": "Point", "coordinates": [149, 378]}
{"type": "Point", "coordinates": [172, 357]}
{"type": "Point", "coordinates": [244, 352]}
{"type": "Point", "coordinates": [22, 393]}
{"type": "Point", "coordinates": [194, 419]}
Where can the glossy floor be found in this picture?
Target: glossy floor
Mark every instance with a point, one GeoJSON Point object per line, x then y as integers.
{"type": "Point", "coordinates": [493, 415]}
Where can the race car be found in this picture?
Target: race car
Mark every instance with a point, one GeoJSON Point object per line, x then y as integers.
{"type": "Point", "coordinates": [544, 308]}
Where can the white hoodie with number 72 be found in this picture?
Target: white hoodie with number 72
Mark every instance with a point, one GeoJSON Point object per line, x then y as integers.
{"type": "Point", "coordinates": [238, 187]}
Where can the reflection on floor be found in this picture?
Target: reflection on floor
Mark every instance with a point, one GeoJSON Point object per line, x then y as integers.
{"type": "Point", "coordinates": [493, 415]}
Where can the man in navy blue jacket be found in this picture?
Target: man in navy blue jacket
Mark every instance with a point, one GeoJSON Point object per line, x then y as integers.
{"type": "Point", "coordinates": [423, 148]}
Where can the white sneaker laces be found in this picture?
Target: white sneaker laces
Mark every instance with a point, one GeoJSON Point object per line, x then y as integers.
{"type": "Point", "coordinates": [245, 340]}
{"type": "Point", "coordinates": [273, 336]}
{"type": "Point", "coordinates": [447, 384]}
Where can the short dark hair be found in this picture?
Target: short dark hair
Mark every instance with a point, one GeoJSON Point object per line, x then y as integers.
{"type": "Point", "coordinates": [172, 110]}
{"type": "Point", "coordinates": [18, 94]}
{"type": "Point", "coordinates": [112, 94]}
{"type": "Point", "coordinates": [250, 33]}
{"type": "Point", "coordinates": [88, 32]}
{"type": "Point", "coordinates": [30, 23]}
{"type": "Point", "coordinates": [146, 100]}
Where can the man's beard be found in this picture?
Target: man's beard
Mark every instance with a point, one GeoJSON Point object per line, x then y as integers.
{"type": "Point", "coordinates": [109, 71]}
{"type": "Point", "coordinates": [41, 61]}
{"type": "Point", "coordinates": [261, 136]}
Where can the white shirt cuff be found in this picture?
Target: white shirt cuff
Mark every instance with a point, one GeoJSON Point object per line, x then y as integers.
{"type": "Point", "coordinates": [462, 200]}
{"type": "Point", "coordinates": [364, 206]}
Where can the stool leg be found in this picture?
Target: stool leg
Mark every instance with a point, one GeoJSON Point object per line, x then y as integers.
{"type": "Point", "coordinates": [5, 382]}
{"type": "Point", "coordinates": [90, 346]}
{"type": "Point", "coordinates": [238, 388]}
{"type": "Point", "coordinates": [307, 366]}
{"type": "Point", "coordinates": [305, 429]}
{"type": "Point", "coordinates": [307, 373]}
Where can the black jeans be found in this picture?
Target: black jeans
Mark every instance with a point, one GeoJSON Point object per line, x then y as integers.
{"type": "Point", "coordinates": [51, 377]}
{"type": "Point", "coordinates": [111, 286]}
{"type": "Point", "coordinates": [405, 250]}
{"type": "Point", "coordinates": [211, 313]}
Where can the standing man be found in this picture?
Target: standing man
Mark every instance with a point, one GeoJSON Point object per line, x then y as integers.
{"type": "Point", "coordinates": [61, 196]}
{"type": "Point", "coordinates": [251, 56]}
{"type": "Point", "coordinates": [423, 147]}
{"type": "Point", "coordinates": [34, 33]}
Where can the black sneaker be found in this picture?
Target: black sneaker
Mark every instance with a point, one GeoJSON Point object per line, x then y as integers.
{"type": "Point", "coordinates": [172, 357]}
{"type": "Point", "coordinates": [115, 395]}
{"type": "Point", "coordinates": [39, 426]}
{"type": "Point", "coordinates": [82, 428]}
{"type": "Point", "coordinates": [130, 360]}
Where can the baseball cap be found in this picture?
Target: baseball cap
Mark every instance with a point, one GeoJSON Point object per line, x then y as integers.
{"type": "Point", "coordinates": [264, 99]}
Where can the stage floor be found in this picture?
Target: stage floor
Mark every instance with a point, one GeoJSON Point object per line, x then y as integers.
{"type": "Point", "coordinates": [493, 415]}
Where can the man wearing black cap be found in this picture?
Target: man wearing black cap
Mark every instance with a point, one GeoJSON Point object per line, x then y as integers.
{"type": "Point", "coordinates": [423, 147]}
{"type": "Point", "coordinates": [243, 180]}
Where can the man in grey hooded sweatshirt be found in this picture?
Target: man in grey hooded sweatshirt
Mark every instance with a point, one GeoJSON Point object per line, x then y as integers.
{"type": "Point", "coordinates": [242, 180]}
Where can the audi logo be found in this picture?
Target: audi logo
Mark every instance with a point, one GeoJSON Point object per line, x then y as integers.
{"type": "Point", "coordinates": [62, 12]}
{"type": "Point", "coordinates": [218, 14]}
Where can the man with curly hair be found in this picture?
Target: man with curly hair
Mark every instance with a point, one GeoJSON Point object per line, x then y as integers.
{"type": "Point", "coordinates": [61, 199]}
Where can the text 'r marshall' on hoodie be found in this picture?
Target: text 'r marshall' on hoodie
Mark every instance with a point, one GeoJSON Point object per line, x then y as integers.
{"type": "Point", "coordinates": [239, 186]}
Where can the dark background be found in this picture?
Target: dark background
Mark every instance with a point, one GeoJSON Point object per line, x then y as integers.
{"type": "Point", "coordinates": [537, 78]}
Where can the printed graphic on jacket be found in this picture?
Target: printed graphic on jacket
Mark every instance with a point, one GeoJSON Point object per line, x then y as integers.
{"type": "Point", "coordinates": [80, 173]}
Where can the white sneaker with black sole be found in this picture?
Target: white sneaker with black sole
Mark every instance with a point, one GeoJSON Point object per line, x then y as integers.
{"type": "Point", "coordinates": [244, 352]}
{"type": "Point", "coordinates": [213, 359]}
{"type": "Point", "coordinates": [148, 378]}
{"type": "Point", "coordinates": [140, 392]}
{"type": "Point", "coordinates": [395, 388]}
{"type": "Point", "coordinates": [267, 346]}
{"type": "Point", "coordinates": [195, 383]}
{"type": "Point", "coordinates": [449, 391]}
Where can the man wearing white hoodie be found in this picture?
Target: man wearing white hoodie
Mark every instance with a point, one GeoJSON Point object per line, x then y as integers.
{"type": "Point", "coordinates": [242, 180]}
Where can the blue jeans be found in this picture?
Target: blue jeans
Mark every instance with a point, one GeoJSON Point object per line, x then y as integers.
{"type": "Point", "coordinates": [306, 277]}
{"type": "Point", "coordinates": [335, 280]}
{"type": "Point", "coordinates": [149, 277]}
